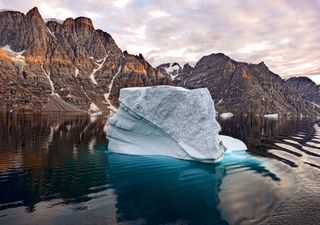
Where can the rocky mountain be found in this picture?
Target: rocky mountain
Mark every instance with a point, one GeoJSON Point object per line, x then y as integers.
{"type": "Point", "coordinates": [53, 65]}
{"type": "Point", "coordinates": [65, 65]}
{"type": "Point", "coordinates": [243, 88]}
{"type": "Point", "coordinates": [305, 88]}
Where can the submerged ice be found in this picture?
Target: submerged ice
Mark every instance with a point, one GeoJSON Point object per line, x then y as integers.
{"type": "Point", "coordinates": [168, 121]}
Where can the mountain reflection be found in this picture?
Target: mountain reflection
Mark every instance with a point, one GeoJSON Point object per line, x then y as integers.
{"type": "Point", "coordinates": [57, 166]}
{"type": "Point", "coordinates": [46, 157]}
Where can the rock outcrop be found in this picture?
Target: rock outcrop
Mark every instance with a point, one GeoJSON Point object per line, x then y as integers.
{"type": "Point", "coordinates": [69, 61]}
{"type": "Point", "coordinates": [242, 88]}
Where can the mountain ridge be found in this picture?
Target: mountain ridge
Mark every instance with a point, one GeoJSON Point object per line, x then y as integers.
{"type": "Point", "coordinates": [72, 60]}
{"type": "Point", "coordinates": [244, 88]}
{"type": "Point", "coordinates": [68, 65]}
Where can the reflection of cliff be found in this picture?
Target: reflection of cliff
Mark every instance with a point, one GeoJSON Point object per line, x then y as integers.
{"type": "Point", "coordinates": [258, 132]}
{"type": "Point", "coordinates": [160, 190]}
{"type": "Point", "coordinates": [44, 157]}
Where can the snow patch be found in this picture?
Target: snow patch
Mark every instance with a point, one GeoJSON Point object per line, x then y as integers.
{"type": "Point", "coordinates": [173, 70]}
{"type": "Point", "coordinates": [76, 72]}
{"type": "Point", "coordinates": [17, 58]}
{"type": "Point", "coordinates": [52, 34]}
{"type": "Point", "coordinates": [226, 115]}
{"type": "Point", "coordinates": [93, 109]}
{"type": "Point", "coordinates": [50, 82]}
{"type": "Point", "coordinates": [315, 104]}
{"type": "Point", "coordinates": [107, 95]}
{"type": "Point", "coordinates": [102, 61]}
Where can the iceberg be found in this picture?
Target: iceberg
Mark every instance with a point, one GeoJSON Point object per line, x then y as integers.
{"type": "Point", "coordinates": [226, 115]}
{"type": "Point", "coordinates": [166, 121]}
{"type": "Point", "coordinates": [271, 116]}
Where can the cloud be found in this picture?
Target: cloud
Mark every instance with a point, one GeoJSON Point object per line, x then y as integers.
{"type": "Point", "coordinates": [254, 47]}
{"type": "Point", "coordinates": [284, 34]}
{"type": "Point", "coordinates": [120, 3]}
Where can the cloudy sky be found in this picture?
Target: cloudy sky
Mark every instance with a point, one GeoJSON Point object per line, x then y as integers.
{"type": "Point", "coordinates": [284, 34]}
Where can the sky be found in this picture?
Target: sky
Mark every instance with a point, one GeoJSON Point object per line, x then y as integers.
{"type": "Point", "coordinates": [285, 34]}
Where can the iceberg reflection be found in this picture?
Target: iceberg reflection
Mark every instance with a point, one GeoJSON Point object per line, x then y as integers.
{"type": "Point", "coordinates": [182, 192]}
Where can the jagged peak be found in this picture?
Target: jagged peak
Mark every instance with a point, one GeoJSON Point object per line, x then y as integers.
{"type": "Point", "coordinates": [215, 57]}
{"type": "Point", "coordinates": [68, 22]}
{"type": "Point", "coordinates": [141, 56]}
{"type": "Point", "coordinates": [176, 64]}
{"type": "Point", "coordinates": [84, 20]}
{"type": "Point", "coordinates": [218, 55]}
{"type": "Point", "coordinates": [261, 65]}
{"type": "Point", "coordinates": [79, 20]}
{"type": "Point", "coordinates": [187, 66]}
{"type": "Point", "coordinates": [301, 78]}
{"type": "Point", "coordinates": [34, 12]}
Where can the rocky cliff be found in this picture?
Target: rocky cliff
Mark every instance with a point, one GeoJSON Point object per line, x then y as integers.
{"type": "Point", "coordinates": [305, 88]}
{"type": "Point", "coordinates": [244, 88]}
{"type": "Point", "coordinates": [65, 66]}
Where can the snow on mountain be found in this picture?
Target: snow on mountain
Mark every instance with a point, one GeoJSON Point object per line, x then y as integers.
{"type": "Point", "coordinates": [16, 57]}
{"type": "Point", "coordinates": [172, 69]}
{"type": "Point", "coordinates": [100, 63]}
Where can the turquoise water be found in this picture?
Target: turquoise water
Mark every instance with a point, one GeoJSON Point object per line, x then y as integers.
{"type": "Point", "coordinates": [56, 170]}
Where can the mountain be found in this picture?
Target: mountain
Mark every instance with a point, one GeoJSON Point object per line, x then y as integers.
{"type": "Point", "coordinates": [305, 88]}
{"type": "Point", "coordinates": [243, 88]}
{"type": "Point", "coordinates": [53, 65]}
{"type": "Point", "coordinates": [65, 65]}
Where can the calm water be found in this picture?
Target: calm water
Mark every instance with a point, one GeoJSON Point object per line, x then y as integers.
{"type": "Point", "coordinates": [56, 170]}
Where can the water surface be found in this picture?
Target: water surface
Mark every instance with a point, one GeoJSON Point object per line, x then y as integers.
{"type": "Point", "coordinates": [55, 169]}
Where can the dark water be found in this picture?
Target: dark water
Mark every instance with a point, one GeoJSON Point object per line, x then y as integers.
{"type": "Point", "coordinates": [56, 170]}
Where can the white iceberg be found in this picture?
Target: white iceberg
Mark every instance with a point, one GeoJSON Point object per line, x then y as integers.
{"type": "Point", "coordinates": [271, 116]}
{"type": "Point", "coordinates": [168, 121]}
{"type": "Point", "coordinates": [233, 144]}
{"type": "Point", "coordinates": [226, 115]}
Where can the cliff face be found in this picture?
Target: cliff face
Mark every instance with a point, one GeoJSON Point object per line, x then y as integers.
{"type": "Point", "coordinates": [69, 64]}
{"type": "Point", "coordinates": [244, 88]}
{"type": "Point", "coordinates": [305, 88]}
